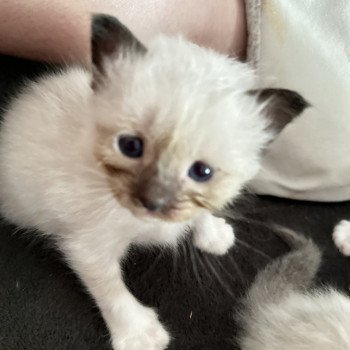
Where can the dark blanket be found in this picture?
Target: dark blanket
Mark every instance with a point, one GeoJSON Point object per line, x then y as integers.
{"type": "Point", "coordinates": [44, 306]}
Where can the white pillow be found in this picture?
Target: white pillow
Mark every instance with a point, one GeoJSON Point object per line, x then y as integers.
{"type": "Point", "coordinates": [305, 46]}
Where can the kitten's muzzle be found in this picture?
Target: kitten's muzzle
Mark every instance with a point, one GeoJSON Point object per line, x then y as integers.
{"type": "Point", "coordinates": [156, 197]}
{"type": "Point", "coordinates": [156, 205]}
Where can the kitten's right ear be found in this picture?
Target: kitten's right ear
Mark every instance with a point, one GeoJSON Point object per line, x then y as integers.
{"type": "Point", "coordinates": [110, 38]}
{"type": "Point", "coordinates": [281, 106]}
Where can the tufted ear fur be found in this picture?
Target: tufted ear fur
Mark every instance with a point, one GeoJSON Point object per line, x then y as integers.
{"type": "Point", "coordinates": [281, 105]}
{"type": "Point", "coordinates": [110, 38]}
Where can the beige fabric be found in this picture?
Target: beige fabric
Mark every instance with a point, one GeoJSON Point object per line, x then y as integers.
{"type": "Point", "coordinates": [305, 46]}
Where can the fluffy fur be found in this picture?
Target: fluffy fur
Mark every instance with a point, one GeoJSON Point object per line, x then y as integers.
{"type": "Point", "coordinates": [282, 311]}
{"type": "Point", "coordinates": [62, 173]}
{"type": "Point", "coordinates": [341, 237]}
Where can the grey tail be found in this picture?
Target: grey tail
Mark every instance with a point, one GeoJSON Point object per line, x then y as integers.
{"type": "Point", "coordinates": [293, 239]}
{"type": "Point", "coordinates": [294, 271]}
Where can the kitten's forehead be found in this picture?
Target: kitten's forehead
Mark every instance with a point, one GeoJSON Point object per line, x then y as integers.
{"type": "Point", "coordinates": [175, 71]}
{"type": "Point", "coordinates": [178, 74]}
{"type": "Point", "coordinates": [193, 98]}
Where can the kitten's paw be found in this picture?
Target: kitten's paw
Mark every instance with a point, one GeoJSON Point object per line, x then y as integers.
{"type": "Point", "coordinates": [341, 237]}
{"type": "Point", "coordinates": [146, 333]}
{"type": "Point", "coordinates": [213, 235]}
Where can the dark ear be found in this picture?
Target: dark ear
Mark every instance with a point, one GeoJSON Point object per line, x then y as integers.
{"type": "Point", "coordinates": [110, 38]}
{"type": "Point", "coordinates": [282, 105]}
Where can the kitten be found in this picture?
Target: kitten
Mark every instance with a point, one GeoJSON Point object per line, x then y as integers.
{"type": "Point", "coordinates": [341, 237]}
{"type": "Point", "coordinates": [150, 143]}
{"type": "Point", "coordinates": [283, 311]}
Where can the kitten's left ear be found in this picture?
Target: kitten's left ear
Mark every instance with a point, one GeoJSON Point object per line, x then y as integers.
{"type": "Point", "coordinates": [281, 105]}
{"type": "Point", "coordinates": [110, 38]}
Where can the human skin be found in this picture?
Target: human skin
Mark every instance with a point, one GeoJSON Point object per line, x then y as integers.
{"type": "Point", "coordinates": [52, 30]}
{"type": "Point", "coordinates": [58, 30]}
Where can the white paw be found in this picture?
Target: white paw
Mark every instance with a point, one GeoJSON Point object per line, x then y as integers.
{"type": "Point", "coordinates": [213, 235]}
{"type": "Point", "coordinates": [341, 237]}
{"type": "Point", "coordinates": [145, 333]}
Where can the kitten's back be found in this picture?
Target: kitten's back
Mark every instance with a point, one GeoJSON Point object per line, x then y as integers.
{"type": "Point", "coordinates": [280, 312]}
{"type": "Point", "coordinates": [319, 320]}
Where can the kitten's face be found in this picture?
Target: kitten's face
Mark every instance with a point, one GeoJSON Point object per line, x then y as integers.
{"type": "Point", "coordinates": [177, 132]}
{"type": "Point", "coordinates": [172, 139]}
{"type": "Point", "coordinates": [161, 177]}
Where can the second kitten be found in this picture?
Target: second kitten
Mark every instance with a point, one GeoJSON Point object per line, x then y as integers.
{"type": "Point", "coordinates": [283, 310]}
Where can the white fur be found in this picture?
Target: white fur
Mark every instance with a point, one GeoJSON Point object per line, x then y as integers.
{"type": "Point", "coordinates": [51, 181]}
{"type": "Point", "coordinates": [315, 321]}
{"type": "Point", "coordinates": [341, 237]}
{"type": "Point", "coordinates": [200, 96]}
{"type": "Point", "coordinates": [212, 234]}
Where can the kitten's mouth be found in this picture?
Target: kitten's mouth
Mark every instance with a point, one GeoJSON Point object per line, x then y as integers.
{"type": "Point", "coordinates": [163, 215]}
{"type": "Point", "coordinates": [148, 211]}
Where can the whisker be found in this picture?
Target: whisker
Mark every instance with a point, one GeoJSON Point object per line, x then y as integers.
{"type": "Point", "coordinates": [199, 256]}
{"type": "Point", "coordinates": [194, 264]}
{"type": "Point", "coordinates": [204, 286]}
{"type": "Point", "coordinates": [152, 266]}
{"type": "Point", "coordinates": [222, 267]}
{"type": "Point", "coordinates": [218, 278]}
{"type": "Point", "coordinates": [234, 217]}
{"type": "Point", "coordinates": [237, 268]}
{"type": "Point", "coordinates": [184, 252]}
{"type": "Point", "coordinates": [250, 247]}
{"type": "Point", "coordinates": [175, 255]}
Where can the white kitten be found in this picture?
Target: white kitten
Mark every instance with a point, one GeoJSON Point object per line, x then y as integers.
{"type": "Point", "coordinates": [283, 310]}
{"type": "Point", "coordinates": [153, 142]}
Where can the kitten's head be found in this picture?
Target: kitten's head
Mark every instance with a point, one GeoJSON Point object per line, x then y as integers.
{"type": "Point", "coordinates": [180, 128]}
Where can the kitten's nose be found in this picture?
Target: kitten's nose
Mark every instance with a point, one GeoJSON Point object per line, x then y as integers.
{"type": "Point", "coordinates": [153, 205]}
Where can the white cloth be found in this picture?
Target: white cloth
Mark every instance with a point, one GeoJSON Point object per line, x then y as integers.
{"type": "Point", "coordinates": [304, 45]}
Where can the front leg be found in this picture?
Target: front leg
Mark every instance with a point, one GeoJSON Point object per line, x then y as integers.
{"type": "Point", "coordinates": [132, 326]}
{"type": "Point", "coordinates": [212, 234]}
{"type": "Point", "coordinates": [341, 237]}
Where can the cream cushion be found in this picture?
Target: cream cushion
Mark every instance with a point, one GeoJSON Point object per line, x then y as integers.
{"type": "Point", "coordinates": [305, 46]}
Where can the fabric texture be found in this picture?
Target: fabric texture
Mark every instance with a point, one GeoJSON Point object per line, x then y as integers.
{"type": "Point", "coordinates": [305, 46]}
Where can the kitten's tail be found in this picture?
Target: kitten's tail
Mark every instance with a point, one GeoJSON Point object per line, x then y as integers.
{"type": "Point", "coordinates": [293, 239]}
{"type": "Point", "coordinates": [294, 271]}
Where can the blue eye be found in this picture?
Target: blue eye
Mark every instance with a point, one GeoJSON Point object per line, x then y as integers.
{"type": "Point", "coordinates": [200, 172]}
{"type": "Point", "coordinates": [131, 146]}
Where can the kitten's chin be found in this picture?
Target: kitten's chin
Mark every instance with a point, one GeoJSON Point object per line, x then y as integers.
{"type": "Point", "coordinates": [172, 215]}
